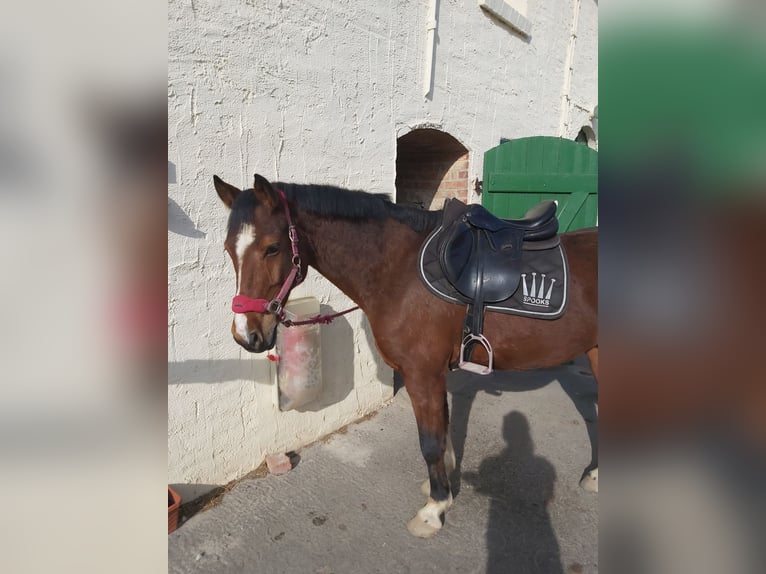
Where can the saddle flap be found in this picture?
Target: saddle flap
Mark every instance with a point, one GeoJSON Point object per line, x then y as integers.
{"type": "Point", "coordinates": [481, 264]}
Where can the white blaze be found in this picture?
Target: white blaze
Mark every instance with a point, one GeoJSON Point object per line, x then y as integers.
{"type": "Point", "coordinates": [240, 324]}
{"type": "Point", "coordinates": [245, 238]}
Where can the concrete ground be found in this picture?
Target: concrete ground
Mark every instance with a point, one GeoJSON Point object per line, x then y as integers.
{"type": "Point", "coordinates": [524, 443]}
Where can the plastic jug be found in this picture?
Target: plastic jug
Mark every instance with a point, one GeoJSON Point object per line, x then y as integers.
{"type": "Point", "coordinates": [299, 369]}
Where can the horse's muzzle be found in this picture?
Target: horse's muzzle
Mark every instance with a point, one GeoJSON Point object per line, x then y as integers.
{"type": "Point", "coordinates": [256, 343]}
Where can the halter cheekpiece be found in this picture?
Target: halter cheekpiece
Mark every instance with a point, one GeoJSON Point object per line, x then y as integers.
{"type": "Point", "coordinates": [244, 304]}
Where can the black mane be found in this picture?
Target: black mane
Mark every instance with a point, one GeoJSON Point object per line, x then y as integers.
{"type": "Point", "coordinates": [326, 200]}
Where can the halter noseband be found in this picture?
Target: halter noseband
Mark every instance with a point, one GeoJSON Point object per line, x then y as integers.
{"type": "Point", "coordinates": [245, 304]}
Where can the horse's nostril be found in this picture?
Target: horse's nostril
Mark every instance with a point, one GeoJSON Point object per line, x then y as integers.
{"type": "Point", "coordinates": [253, 339]}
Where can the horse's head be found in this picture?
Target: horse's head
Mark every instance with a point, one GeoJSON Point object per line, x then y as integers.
{"type": "Point", "coordinates": [259, 245]}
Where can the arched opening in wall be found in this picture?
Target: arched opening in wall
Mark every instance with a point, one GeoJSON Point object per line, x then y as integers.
{"type": "Point", "coordinates": [431, 166]}
{"type": "Point", "coordinates": [588, 137]}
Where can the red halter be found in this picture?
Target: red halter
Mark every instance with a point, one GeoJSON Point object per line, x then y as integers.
{"type": "Point", "coordinates": [244, 304]}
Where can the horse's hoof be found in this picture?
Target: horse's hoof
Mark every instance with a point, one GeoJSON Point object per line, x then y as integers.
{"type": "Point", "coordinates": [589, 482]}
{"type": "Point", "coordinates": [422, 529]}
{"type": "Point", "coordinates": [425, 488]}
{"type": "Point", "coordinates": [429, 519]}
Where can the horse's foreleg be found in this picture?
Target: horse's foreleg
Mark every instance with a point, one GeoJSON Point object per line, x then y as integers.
{"type": "Point", "coordinates": [450, 462]}
{"type": "Point", "coordinates": [589, 482]}
{"type": "Point", "coordinates": [429, 401]}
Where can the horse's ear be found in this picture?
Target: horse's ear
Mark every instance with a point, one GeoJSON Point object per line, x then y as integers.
{"type": "Point", "coordinates": [227, 193]}
{"type": "Point", "coordinates": [264, 192]}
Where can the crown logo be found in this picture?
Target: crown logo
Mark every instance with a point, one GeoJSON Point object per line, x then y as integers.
{"type": "Point", "coordinates": [534, 294]}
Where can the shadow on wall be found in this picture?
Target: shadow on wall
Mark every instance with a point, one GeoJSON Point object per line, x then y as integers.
{"type": "Point", "coordinates": [337, 362]}
{"type": "Point", "coordinates": [526, 38]}
{"type": "Point", "coordinates": [218, 371]}
{"type": "Point", "coordinates": [519, 485]}
{"type": "Point", "coordinates": [180, 223]}
{"type": "Point", "coordinates": [337, 366]}
{"type": "Point", "coordinates": [383, 371]}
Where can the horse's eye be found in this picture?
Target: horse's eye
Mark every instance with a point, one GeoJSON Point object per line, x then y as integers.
{"type": "Point", "coordinates": [272, 250]}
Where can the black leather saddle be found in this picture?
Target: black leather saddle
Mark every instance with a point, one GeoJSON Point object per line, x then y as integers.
{"type": "Point", "coordinates": [480, 255]}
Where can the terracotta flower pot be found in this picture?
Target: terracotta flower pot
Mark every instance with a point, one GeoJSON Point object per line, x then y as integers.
{"type": "Point", "coordinates": [174, 503]}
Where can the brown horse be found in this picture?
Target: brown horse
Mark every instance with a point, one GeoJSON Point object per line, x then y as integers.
{"type": "Point", "coordinates": [368, 247]}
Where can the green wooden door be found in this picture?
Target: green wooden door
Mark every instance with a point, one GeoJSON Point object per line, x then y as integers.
{"type": "Point", "coordinates": [520, 173]}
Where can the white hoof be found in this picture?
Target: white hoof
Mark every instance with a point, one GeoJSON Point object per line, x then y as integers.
{"type": "Point", "coordinates": [425, 488]}
{"type": "Point", "coordinates": [590, 481]}
{"type": "Point", "coordinates": [418, 527]}
{"type": "Point", "coordinates": [428, 520]}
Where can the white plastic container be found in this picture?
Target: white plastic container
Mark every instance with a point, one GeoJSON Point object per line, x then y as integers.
{"type": "Point", "coordinates": [299, 370]}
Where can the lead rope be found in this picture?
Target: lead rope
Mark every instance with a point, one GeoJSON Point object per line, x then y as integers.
{"type": "Point", "coordinates": [319, 319]}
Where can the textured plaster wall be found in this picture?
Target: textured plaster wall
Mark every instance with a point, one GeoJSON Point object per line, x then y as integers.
{"type": "Point", "coordinates": [583, 94]}
{"type": "Point", "coordinates": [318, 91]}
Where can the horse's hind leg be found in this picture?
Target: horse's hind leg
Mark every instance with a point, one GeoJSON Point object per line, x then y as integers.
{"type": "Point", "coordinates": [428, 394]}
{"type": "Point", "coordinates": [589, 482]}
{"type": "Point", "coordinates": [593, 359]}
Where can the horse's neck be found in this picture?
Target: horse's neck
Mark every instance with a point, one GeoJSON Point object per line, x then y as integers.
{"type": "Point", "coordinates": [360, 258]}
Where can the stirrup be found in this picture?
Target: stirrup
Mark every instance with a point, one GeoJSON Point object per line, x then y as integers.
{"type": "Point", "coordinates": [475, 367]}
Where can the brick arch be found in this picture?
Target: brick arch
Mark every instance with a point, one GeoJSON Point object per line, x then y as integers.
{"type": "Point", "coordinates": [431, 166]}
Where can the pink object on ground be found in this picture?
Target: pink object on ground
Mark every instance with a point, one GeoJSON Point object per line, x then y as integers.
{"type": "Point", "coordinates": [278, 463]}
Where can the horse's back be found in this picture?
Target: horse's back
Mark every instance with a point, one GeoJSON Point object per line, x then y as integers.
{"type": "Point", "coordinates": [525, 343]}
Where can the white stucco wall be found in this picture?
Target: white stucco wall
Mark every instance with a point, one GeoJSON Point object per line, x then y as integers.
{"type": "Point", "coordinates": [318, 91]}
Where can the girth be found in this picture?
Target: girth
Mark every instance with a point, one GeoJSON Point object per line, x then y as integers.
{"type": "Point", "coordinates": [481, 255]}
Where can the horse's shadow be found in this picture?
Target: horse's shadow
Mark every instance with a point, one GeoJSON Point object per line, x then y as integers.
{"type": "Point", "coordinates": [576, 380]}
